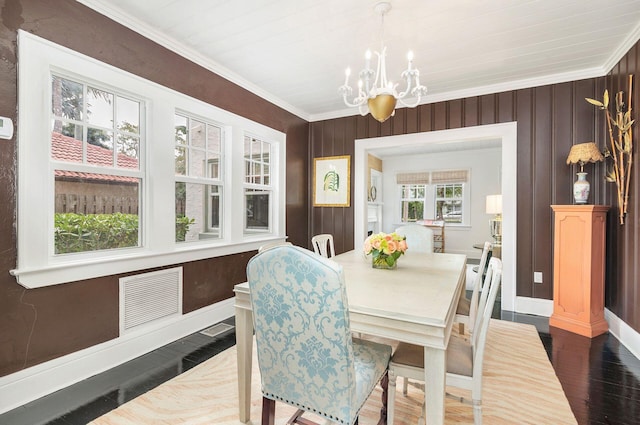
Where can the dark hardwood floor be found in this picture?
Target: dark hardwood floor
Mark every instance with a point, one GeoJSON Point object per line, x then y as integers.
{"type": "Point", "coordinates": [600, 377]}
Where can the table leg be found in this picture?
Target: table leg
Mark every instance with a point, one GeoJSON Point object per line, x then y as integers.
{"type": "Point", "coordinates": [435, 381]}
{"type": "Point", "coordinates": [244, 347]}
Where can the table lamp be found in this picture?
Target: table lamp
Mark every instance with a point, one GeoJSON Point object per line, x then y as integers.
{"type": "Point", "coordinates": [581, 154]}
{"type": "Point", "coordinates": [494, 206]}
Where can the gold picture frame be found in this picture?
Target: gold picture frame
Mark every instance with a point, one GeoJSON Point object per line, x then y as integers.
{"type": "Point", "coordinates": [332, 181]}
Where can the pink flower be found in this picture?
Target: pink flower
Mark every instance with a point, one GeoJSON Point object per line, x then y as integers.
{"type": "Point", "coordinates": [367, 246]}
{"type": "Point", "coordinates": [402, 245]}
{"type": "Point", "coordinates": [376, 243]}
{"type": "Point", "coordinates": [392, 246]}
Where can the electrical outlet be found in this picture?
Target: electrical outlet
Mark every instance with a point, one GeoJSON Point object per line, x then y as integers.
{"type": "Point", "coordinates": [537, 277]}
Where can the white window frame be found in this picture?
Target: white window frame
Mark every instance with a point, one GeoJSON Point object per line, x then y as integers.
{"type": "Point", "coordinates": [257, 188]}
{"type": "Point", "coordinates": [37, 266]}
{"type": "Point", "coordinates": [461, 199]}
{"type": "Point", "coordinates": [206, 181]}
{"type": "Point", "coordinates": [424, 200]}
{"type": "Point", "coordinates": [430, 201]}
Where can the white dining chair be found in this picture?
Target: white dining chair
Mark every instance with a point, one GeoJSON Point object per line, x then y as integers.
{"type": "Point", "coordinates": [464, 355]}
{"type": "Point", "coordinates": [323, 245]}
{"type": "Point", "coordinates": [467, 308]}
{"type": "Point", "coordinates": [419, 238]}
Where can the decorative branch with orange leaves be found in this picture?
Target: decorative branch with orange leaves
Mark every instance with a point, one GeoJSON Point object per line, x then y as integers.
{"type": "Point", "coordinates": [620, 149]}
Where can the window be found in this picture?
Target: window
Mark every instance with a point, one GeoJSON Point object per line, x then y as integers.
{"type": "Point", "coordinates": [117, 173]}
{"type": "Point", "coordinates": [199, 183]}
{"type": "Point", "coordinates": [257, 188]}
{"type": "Point", "coordinates": [439, 195]}
{"type": "Point", "coordinates": [449, 199]}
{"type": "Point", "coordinates": [95, 145]}
{"type": "Point", "coordinates": [412, 201]}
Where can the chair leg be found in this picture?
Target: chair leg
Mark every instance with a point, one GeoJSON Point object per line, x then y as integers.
{"type": "Point", "coordinates": [268, 411]}
{"type": "Point", "coordinates": [477, 412]}
{"type": "Point", "coordinates": [384, 383]}
{"type": "Point", "coordinates": [391, 397]}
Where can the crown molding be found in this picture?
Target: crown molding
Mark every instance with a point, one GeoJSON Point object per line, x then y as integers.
{"type": "Point", "coordinates": [483, 90]}
{"type": "Point", "coordinates": [622, 49]}
{"type": "Point", "coordinates": [119, 16]}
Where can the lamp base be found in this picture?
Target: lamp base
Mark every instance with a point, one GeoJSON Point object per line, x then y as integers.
{"type": "Point", "coordinates": [581, 189]}
{"type": "Point", "coordinates": [496, 229]}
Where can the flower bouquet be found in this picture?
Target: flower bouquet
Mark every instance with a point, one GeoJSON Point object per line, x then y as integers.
{"type": "Point", "coordinates": [386, 249]}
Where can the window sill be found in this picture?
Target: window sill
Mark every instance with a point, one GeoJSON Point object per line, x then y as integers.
{"type": "Point", "coordinates": [38, 277]}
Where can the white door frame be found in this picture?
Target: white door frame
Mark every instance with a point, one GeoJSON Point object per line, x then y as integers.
{"type": "Point", "coordinates": [506, 132]}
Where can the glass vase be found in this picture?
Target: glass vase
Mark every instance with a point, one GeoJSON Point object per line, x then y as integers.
{"type": "Point", "coordinates": [381, 263]}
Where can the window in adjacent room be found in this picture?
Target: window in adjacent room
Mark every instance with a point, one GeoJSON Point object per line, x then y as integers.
{"type": "Point", "coordinates": [449, 200]}
{"type": "Point", "coordinates": [439, 195]}
{"type": "Point", "coordinates": [412, 202]}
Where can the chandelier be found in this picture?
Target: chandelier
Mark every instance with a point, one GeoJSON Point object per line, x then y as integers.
{"type": "Point", "coordinates": [376, 94]}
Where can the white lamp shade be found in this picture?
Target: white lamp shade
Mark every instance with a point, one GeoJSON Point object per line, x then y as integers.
{"type": "Point", "coordinates": [494, 204]}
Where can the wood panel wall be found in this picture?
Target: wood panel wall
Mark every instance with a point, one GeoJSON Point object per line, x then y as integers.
{"type": "Point", "coordinates": [550, 119]}
{"type": "Point", "coordinates": [623, 244]}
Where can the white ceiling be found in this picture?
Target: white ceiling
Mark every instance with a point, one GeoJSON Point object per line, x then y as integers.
{"type": "Point", "coordinates": [294, 52]}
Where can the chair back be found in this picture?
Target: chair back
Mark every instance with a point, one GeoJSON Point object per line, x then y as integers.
{"type": "Point", "coordinates": [323, 245]}
{"type": "Point", "coordinates": [478, 283]}
{"type": "Point", "coordinates": [272, 244]}
{"type": "Point", "coordinates": [419, 238]}
{"type": "Point", "coordinates": [302, 331]}
{"type": "Point", "coordinates": [485, 309]}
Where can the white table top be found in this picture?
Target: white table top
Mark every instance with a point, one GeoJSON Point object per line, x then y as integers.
{"type": "Point", "coordinates": [420, 290]}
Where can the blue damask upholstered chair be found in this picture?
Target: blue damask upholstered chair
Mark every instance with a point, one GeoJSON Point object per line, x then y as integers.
{"type": "Point", "coordinates": [306, 354]}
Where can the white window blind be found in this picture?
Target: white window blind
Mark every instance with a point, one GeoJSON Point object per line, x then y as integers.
{"type": "Point", "coordinates": [450, 176]}
{"type": "Point", "coordinates": [433, 177]}
{"type": "Point", "coordinates": [413, 178]}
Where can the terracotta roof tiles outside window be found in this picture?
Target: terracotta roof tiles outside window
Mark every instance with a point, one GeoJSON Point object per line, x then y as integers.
{"type": "Point", "coordinates": [68, 149]}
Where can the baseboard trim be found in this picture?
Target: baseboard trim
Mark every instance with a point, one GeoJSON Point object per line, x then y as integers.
{"type": "Point", "coordinates": [537, 306]}
{"type": "Point", "coordinates": [30, 384]}
{"type": "Point", "coordinates": [623, 333]}
{"type": "Point", "coordinates": [617, 327]}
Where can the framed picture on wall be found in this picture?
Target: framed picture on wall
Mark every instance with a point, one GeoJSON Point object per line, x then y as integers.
{"type": "Point", "coordinates": [331, 181]}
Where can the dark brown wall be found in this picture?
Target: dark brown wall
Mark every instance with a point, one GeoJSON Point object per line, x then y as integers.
{"type": "Point", "coordinates": [42, 324]}
{"type": "Point", "coordinates": [623, 243]}
{"type": "Point", "coordinates": [550, 119]}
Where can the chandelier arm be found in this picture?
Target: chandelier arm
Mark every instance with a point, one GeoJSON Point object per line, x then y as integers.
{"type": "Point", "coordinates": [410, 105]}
{"type": "Point", "coordinates": [346, 91]}
{"type": "Point", "coordinates": [407, 91]}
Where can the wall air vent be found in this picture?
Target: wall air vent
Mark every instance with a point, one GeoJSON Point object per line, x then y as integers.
{"type": "Point", "coordinates": [150, 297]}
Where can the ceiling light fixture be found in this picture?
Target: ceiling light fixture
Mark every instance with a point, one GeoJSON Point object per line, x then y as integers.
{"type": "Point", "coordinates": [375, 93]}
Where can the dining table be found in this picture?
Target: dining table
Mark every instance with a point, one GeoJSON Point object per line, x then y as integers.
{"type": "Point", "coordinates": [414, 303]}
